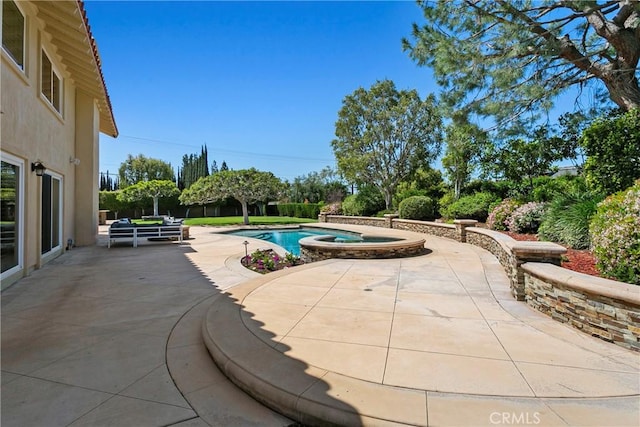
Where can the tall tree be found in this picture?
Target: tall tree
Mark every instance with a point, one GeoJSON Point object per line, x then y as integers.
{"type": "Point", "coordinates": [523, 160]}
{"type": "Point", "coordinates": [505, 58]}
{"type": "Point", "coordinates": [464, 142]}
{"type": "Point", "coordinates": [153, 189]}
{"type": "Point", "coordinates": [317, 186]}
{"type": "Point", "coordinates": [384, 135]}
{"type": "Point", "coordinates": [141, 168]}
{"type": "Point", "coordinates": [246, 186]}
{"type": "Point", "coordinates": [193, 168]}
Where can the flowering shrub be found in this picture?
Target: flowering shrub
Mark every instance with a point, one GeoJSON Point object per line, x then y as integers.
{"type": "Point", "coordinates": [498, 217]}
{"type": "Point", "coordinates": [615, 235]}
{"type": "Point", "coordinates": [266, 260]}
{"type": "Point", "coordinates": [527, 218]}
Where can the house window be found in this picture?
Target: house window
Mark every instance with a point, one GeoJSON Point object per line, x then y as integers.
{"type": "Point", "coordinates": [51, 84]}
{"type": "Point", "coordinates": [11, 214]}
{"type": "Point", "coordinates": [13, 32]}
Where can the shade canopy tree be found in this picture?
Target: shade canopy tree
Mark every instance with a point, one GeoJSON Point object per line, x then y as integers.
{"type": "Point", "coordinates": [522, 160]}
{"type": "Point", "coordinates": [317, 187]}
{"type": "Point", "coordinates": [384, 135]}
{"type": "Point", "coordinates": [505, 58]}
{"type": "Point", "coordinates": [142, 168]}
{"type": "Point", "coordinates": [245, 185]}
{"type": "Point", "coordinates": [153, 189]}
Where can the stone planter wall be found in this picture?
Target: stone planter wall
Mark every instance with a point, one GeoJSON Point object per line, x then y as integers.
{"type": "Point", "coordinates": [603, 308]}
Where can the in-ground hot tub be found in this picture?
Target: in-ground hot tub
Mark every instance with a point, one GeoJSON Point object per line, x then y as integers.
{"type": "Point", "coordinates": [318, 248]}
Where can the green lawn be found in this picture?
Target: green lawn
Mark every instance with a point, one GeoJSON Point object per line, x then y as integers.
{"type": "Point", "coordinates": [253, 220]}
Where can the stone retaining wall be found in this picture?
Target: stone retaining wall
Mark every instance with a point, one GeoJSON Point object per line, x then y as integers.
{"type": "Point", "coordinates": [603, 308]}
{"type": "Point", "coordinates": [355, 220]}
{"type": "Point", "coordinates": [426, 227]}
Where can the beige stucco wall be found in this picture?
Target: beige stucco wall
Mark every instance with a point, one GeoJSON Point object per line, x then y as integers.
{"type": "Point", "coordinates": [87, 151]}
{"type": "Point", "coordinates": [32, 130]}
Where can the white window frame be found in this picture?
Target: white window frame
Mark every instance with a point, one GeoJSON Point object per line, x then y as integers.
{"type": "Point", "coordinates": [55, 249]}
{"type": "Point", "coordinates": [20, 195]}
{"type": "Point", "coordinates": [22, 67]}
{"type": "Point", "coordinates": [55, 72]}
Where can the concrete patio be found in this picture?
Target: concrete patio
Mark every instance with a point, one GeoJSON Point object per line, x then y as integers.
{"type": "Point", "coordinates": [117, 337]}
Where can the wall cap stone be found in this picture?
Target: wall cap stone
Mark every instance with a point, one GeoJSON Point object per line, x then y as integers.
{"type": "Point", "coordinates": [465, 221]}
{"type": "Point", "coordinates": [523, 248]}
{"type": "Point", "coordinates": [426, 223]}
{"type": "Point", "coordinates": [584, 283]}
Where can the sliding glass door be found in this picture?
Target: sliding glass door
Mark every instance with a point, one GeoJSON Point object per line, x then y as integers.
{"type": "Point", "coordinates": [11, 214]}
{"type": "Point", "coordinates": [51, 213]}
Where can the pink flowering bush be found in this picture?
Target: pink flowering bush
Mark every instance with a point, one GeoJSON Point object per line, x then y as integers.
{"type": "Point", "coordinates": [499, 216]}
{"type": "Point", "coordinates": [266, 260]}
{"type": "Point", "coordinates": [527, 218]}
{"type": "Point", "coordinates": [615, 235]}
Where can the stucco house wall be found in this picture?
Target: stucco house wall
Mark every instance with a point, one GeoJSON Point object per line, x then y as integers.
{"type": "Point", "coordinates": [64, 141]}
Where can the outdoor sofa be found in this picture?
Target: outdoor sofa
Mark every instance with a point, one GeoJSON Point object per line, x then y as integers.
{"type": "Point", "coordinates": [124, 229]}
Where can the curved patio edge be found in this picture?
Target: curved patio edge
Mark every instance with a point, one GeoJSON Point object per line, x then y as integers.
{"type": "Point", "coordinates": [316, 396]}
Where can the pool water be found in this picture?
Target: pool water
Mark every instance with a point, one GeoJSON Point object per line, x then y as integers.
{"type": "Point", "coordinates": [289, 239]}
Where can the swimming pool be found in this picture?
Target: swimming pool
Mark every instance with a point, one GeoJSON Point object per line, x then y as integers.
{"type": "Point", "coordinates": [290, 238]}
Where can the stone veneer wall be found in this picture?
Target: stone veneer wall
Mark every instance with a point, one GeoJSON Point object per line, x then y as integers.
{"type": "Point", "coordinates": [427, 227]}
{"type": "Point", "coordinates": [314, 253]}
{"type": "Point", "coordinates": [354, 220]}
{"type": "Point", "coordinates": [603, 308]}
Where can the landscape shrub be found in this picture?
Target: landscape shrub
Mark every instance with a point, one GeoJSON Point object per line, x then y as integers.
{"type": "Point", "coordinates": [406, 193]}
{"type": "Point", "coordinates": [444, 202]}
{"type": "Point", "coordinates": [475, 207]}
{"type": "Point", "coordinates": [417, 207]}
{"type": "Point", "coordinates": [299, 210]}
{"type": "Point", "coordinates": [615, 235]}
{"type": "Point", "coordinates": [527, 218]}
{"type": "Point", "coordinates": [500, 188]}
{"type": "Point", "coordinates": [367, 202]}
{"type": "Point", "coordinates": [385, 212]}
{"type": "Point", "coordinates": [613, 152]}
{"type": "Point", "coordinates": [545, 188]}
{"type": "Point", "coordinates": [501, 213]}
{"type": "Point", "coordinates": [568, 216]}
{"type": "Point", "coordinates": [352, 206]}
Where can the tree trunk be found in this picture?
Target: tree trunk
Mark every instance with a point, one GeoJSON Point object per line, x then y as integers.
{"type": "Point", "coordinates": [623, 89]}
{"type": "Point", "coordinates": [245, 213]}
{"type": "Point", "coordinates": [155, 206]}
{"type": "Point", "coordinates": [387, 199]}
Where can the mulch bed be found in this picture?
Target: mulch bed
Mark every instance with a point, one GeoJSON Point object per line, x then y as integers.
{"type": "Point", "coordinates": [581, 261]}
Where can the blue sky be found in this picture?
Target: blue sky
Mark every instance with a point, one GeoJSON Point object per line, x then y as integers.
{"type": "Point", "coordinates": [260, 83]}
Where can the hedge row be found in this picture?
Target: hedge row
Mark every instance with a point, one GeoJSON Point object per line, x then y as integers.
{"type": "Point", "coordinates": [299, 210]}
